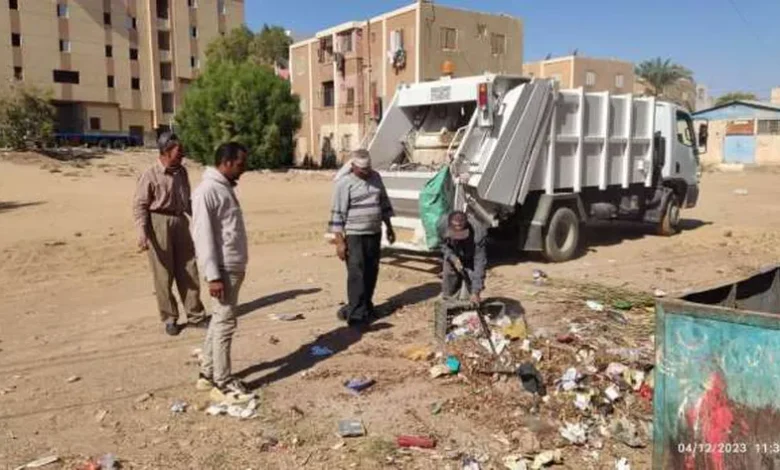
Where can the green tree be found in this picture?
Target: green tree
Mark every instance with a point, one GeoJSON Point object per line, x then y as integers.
{"type": "Point", "coordinates": [26, 117]}
{"type": "Point", "coordinates": [659, 74]}
{"type": "Point", "coordinates": [736, 96]}
{"type": "Point", "coordinates": [246, 102]}
{"type": "Point", "coordinates": [270, 46]}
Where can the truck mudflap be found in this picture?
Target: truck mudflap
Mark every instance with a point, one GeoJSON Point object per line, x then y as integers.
{"type": "Point", "coordinates": [716, 378]}
{"type": "Point", "coordinates": [692, 196]}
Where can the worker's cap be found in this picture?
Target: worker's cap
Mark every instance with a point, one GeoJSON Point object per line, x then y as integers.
{"type": "Point", "coordinates": [167, 141]}
{"type": "Point", "coordinates": [457, 226]}
{"type": "Point", "coordinates": [361, 159]}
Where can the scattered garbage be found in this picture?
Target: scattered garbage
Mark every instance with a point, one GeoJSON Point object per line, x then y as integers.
{"type": "Point", "coordinates": [659, 293]}
{"type": "Point", "coordinates": [101, 415]}
{"type": "Point", "coordinates": [418, 353]}
{"type": "Point", "coordinates": [498, 340]}
{"type": "Point", "coordinates": [143, 398]}
{"type": "Point", "coordinates": [526, 346]}
{"type": "Point", "coordinates": [537, 355]}
{"type": "Point", "coordinates": [617, 316]}
{"type": "Point", "coordinates": [574, 433]}
{"type": "Point", "coordinates": [469, 463]}
{"type": "Point", "coordinates": [440, 370]}
{"type": "Point", "coordinates": [532, 379]}
{"type": "Point", "coordinates": [42, 462]}
{"type": "Point", "coordinates": [627, 354]}
{"type": "Point", "coordinates": [622, 464]}
{"type": "Point", "coordinates": [108, 462]}
{"type": "Point", "coordinates": [547, 458]}
{"type": "Point", "coordinates": [73, 379]}
{"type": "Point", "coordinates": [645, 392]}
{"type": "Point", "coordinates": [179, 406]}
{"type": "Point", "coordinates": [595, 306]}
{"type": "Point", "coordinates": [539, 277]}
{"type": "Point", "coordinates": [612, 393]}
{"type": "Point", "coordinates": [741, 192]}
{"type": "Point", "coordinates": [453, 364]}
{"type": "Point", "coordinates": [436, 407]}
{"type": "Point", "coordinates": [622, 305]}
{"type": "Point", "coordinates": [516, 330]}
{"type": "Point", "coordinates": [627, 433]}
{"type": "Point", "coordinates": [566, 339]}
{"type": "Point", "coordinates": [515, 462]}
{"type": "Point", "coordinates": [615, 371]}
{"type": "Point", "coordinates": [568, 381]}
{"type": "Point", "coordinates": [321, 351]}
{"type": "Point", "coordinates": [419, 442]}
{"type": "Point", "coordinates": [287, 316]}
{"type": "Point", "coordinates": [247, 411]}
{"type": "Point", "coordinates": [586, 356]}
{"type": "Point", "coordinates": [351, 428]}
{"type": "Point", "coordinates": [582, 401]}
{"type": "Point", "coordinates": [360, 384]}
{"type": "Point", "coordinates": [634, 378]}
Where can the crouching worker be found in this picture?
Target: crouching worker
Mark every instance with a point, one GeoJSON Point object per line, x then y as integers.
{"type": "Point", "coordinates": [464, 252]}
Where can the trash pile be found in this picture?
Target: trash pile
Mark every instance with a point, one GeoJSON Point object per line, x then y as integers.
{"type": "Point", "coordinates": [591, 383]}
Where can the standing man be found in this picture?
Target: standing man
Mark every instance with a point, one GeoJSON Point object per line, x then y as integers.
{"type": "Point", "coordinates": [221, 245]}
{"type": "Point", "coordinates": [360, 205]}
{"type": "Point", "coordinates": [160, 207]}
{"type": "Point", "coordinates": [464, 252]}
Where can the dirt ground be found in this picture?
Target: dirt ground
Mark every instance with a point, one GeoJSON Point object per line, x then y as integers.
{"type": "Point", "coordinates": [86, 370]}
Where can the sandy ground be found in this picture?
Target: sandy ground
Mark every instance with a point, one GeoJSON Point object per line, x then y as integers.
{"type": "Point", "coordinates": [77, 302]}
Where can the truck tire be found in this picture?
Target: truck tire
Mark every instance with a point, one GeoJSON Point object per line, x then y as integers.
{"type": "Point", "coordinates": [119, 144]}
{"type": "Point", "coordinates": [104, 143]}
{"type": "Point", "coordinates": [670, 222]}
{"type": "Point", "coordinates": [562, 238]}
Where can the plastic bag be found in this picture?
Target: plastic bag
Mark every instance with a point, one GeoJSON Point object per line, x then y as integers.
{"type": "Point", "coordinates": [435, 203]}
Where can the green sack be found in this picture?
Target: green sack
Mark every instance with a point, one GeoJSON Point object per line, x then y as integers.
{"type": "Point", "coordinates": [435, 203]}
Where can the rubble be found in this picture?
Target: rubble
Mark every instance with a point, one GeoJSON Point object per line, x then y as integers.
{"type": "Point", "coordinates": [547, 458]}
{"type": "Point", "coordinates": [351, 428]}
{"type": "Point", "coordinates": [574, 433]}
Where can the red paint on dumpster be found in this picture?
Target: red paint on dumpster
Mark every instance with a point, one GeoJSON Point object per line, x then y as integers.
{"type": "Point", "coordinates": [712, 418]}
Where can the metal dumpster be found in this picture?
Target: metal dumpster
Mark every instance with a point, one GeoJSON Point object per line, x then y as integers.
{"type": "Point", "coordinates": [717, 378]}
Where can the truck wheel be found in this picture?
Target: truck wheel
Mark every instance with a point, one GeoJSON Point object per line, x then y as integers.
{"type": "Point", "coordinates": [670, 222]}
{"type": "Point", "coordinates": [563, 236]}
{"type": "Point", "coordinates": [104, 144]}
{"type": "Point", "coordinates": [119, 144]}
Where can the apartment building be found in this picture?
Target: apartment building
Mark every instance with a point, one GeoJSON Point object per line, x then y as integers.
{"type": "Point", "coordinates": [593, 74]}
{"type": "Point", "coordinates": [112, 65]}
{"type": "Point", "coordinates": [345, 75]}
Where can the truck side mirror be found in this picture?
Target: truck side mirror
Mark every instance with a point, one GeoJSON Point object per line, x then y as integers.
{"type": "Point", "coordinates": [703, 135]}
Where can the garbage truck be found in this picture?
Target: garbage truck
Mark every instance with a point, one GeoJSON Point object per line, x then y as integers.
{"type": "Point", "coordinates": [531, 161]}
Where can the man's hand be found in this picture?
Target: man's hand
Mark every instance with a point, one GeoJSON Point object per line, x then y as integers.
{"type": "Point", "coordinates": [143, 242]}
{"type": "Point", "coordinates": [390, 235]}
{"type": "Point", "coordinates": [457, 264]}
{"type": "Point", "coordinates": [217, 289]}
{"type": "Point", "coordinates": [341, 250]}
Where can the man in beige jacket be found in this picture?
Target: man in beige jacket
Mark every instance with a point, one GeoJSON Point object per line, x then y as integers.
{"type": "Point", "coordinates": [160, 208]}
{"type": "Point", "coordinates": [221, 246]}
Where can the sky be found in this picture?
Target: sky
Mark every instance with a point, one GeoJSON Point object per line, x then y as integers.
{"type": "Point", "coordinates": [729, 44]}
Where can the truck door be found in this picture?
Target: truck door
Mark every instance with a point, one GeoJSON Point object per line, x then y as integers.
{"type": "Point", "coordinates": [685, 154]}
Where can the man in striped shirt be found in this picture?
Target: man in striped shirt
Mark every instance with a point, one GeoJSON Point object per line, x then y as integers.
{"type": "Point", "coordinates": [360, 205]}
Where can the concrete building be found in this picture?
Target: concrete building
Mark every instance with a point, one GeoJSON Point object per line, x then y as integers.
{"type": "Point", "coordinates": [113, 65]}
{"type": "Point", "coordinates": [345, 75]}
{"type": "Point", "coordinates": [746, 132]}
{"type": "Point", "coordinates": [593, 74]}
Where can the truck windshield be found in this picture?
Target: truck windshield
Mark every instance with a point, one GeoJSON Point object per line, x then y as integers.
{"type": "Point", "coordinates": [685, 130]}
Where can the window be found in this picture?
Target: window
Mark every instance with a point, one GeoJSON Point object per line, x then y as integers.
{"type": "Point", "coordinates": [164, 40]}
{"type": "Point", "coordinates": [498, 44]}
{"type": "Point", "coordinates": [350, 97]}
{"type": "Point", "coordinates": [94, 124]}
{"type": "Point", "coordinates": [346, 142]}
{"type": "Point", "coordinates": [133, 53]}
{"type": "Point", "coordinates": [110, 81]}
{"type": "Point", "coordinates": [64, 45]}
{"type": "Point", "coordinates": [194, 62]}
{"type": "Point", "coordinates": [167, 103]}
{"type": "Point", "coordinates": [192, 3]}
{"type": "Point", "coordinates": [327, 94]}
{"type": "Point", "coordinates": [769, 126]}
{"type": "Point", "coordinates": [221, 7]}
{"type": "Point", "coordinates": [66, 76]}
{"type": "Point", "coordinates": [16, 39]}
{"type": "Point", "coordinates": [107, 19]}
{"type": "Point", "coordinates": [194, 31]}
{"type": "Point", "coordinates": [346, 42]}
{"type": "Point", "coordinates": [166, 71]}
{"type": "Point", "coordinates": [163, 9]}
{"type": "Point", "coordinates": [449, 39]}
{"type": "Point", "coordinates": [18, 75]}
{"type": "Point", "coordinates": [590, 78]}
{"type": "Point", "coordinates": [13, 4]}
{"type": "Point", "coordinates": [135, 83]}
{"type": "Point", "coordinates": [620, 81]}
{"type": "Point", "coordinates": [109, 50]}
{"type": "Point", "coordinates": [62, 10]}
{"type": "Point", "coordinates": [685, 130]}
{"type": "Point", "coordinates": [132, 22]}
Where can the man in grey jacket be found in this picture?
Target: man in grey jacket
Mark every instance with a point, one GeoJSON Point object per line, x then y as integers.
{"type": "Point", "coordinates": [221, 247]}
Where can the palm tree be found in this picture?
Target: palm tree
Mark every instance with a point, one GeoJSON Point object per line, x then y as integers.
{"type": "Point", "coordinates": [659, 74]}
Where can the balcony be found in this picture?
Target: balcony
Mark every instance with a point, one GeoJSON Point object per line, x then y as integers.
{"type": "Point", "coordinates": [166, 56]}
{"type": "Point", "coordinates": [163, 24]}
{"type": "Point", "coordinates": [166, 86]}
